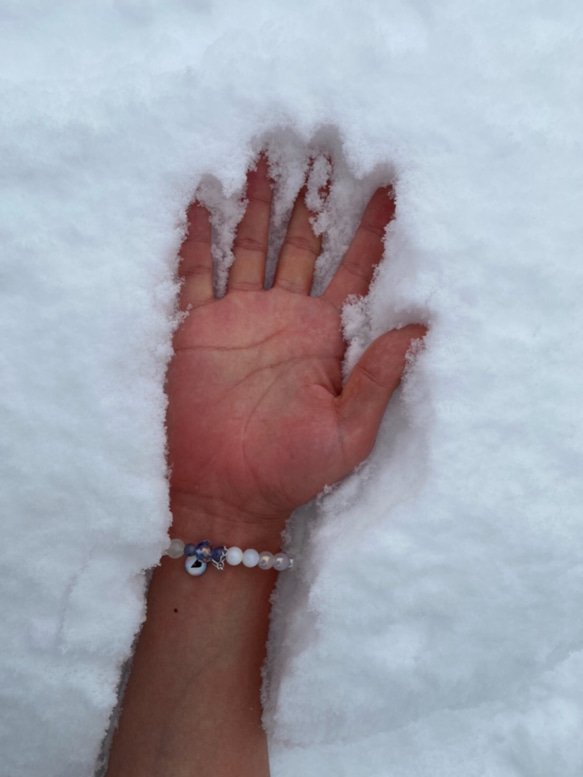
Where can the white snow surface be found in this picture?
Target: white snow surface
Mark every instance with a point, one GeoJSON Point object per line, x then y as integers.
{"type": "Point", "coordinates": [433, 623]}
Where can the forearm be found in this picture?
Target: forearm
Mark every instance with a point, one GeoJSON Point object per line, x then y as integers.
{"type": "Point", "coordinates": [192, 705]}
{"type": "Point", "coordinates": [257, 417]}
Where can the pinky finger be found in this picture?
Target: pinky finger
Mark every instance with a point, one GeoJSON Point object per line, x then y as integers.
{"type": "Point", "coordinates": [196, 264]}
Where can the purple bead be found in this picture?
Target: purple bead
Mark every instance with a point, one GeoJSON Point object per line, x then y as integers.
{"type": "Point", "coordinates": [189, 549]}
{"type": "Point", "coordinates": [203, 551]}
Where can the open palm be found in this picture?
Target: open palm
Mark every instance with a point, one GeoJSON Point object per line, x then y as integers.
{"type": "Point", "coordinates": [258, 420]}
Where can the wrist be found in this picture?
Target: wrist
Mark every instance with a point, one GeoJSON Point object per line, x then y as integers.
{"type": "Point", "coordinates": [196, 518]}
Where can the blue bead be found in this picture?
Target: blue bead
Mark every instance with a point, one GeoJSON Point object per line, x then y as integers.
{"type": "Point", "coordinates": [190, 549]}
{"type": "Point", "coordinates": [218, 556]}
{"type": "Point", "coordinates": [219, 553]}
{"type": "Point", "coordinates": [194, 567]}
{"type": "Point", "coordinates": [203, 551]}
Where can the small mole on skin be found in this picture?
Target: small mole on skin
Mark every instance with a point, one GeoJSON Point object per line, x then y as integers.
{"type": "Point", "coordinates": [175, 610]}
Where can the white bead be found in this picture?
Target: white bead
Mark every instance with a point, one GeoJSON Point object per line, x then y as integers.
{"type": "Point", "coordinates": [234, 556]}
{"type": "Point", "coordinates": [175, 549]}
{"type": "Point", "coordinates": [250, 558]}
{"type": "Point", "coordinates": [265, 560]}
{"type": "Point", "coordinates": [194, 567]}
{"type": "Point", "coordinates": [281, 561]}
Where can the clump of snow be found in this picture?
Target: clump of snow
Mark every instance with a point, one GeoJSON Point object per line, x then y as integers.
{"type": "Point", "coordinates": [432, 624]}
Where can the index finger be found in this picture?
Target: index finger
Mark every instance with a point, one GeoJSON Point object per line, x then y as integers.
{"type": "Point", "coordinates": [354, 274]}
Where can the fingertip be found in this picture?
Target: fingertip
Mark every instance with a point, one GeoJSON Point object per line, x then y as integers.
{"type": "Point", "coordinates": [195, 266]}
{"type": "Point", "coordinates": [380, 210]}
{"type": "Point", "coordinates": [395, 345]}
{"type": "Point", "coordinates": [262, 167]}
{"type": "Point", "coordinates": [259, 181]}
{"type": "Point", "coordinates": [415, 331]}
{"type": "Point", "coordinates": [247, 272]}
{"type": "Point", "coordinates": [197, 213]}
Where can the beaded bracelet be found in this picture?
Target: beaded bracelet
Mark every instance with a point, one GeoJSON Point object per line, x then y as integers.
{"type": "Point", "coordinates": [199, 556]}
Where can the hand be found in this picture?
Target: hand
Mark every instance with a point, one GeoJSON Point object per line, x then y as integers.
{"type": "Point", "coordinates": [258, 423]}
{"type": "Point", "coordinates": [258, 420]}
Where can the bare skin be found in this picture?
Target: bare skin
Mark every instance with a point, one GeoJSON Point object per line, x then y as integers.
{"type": "Point", "coordinates": [258, 424]}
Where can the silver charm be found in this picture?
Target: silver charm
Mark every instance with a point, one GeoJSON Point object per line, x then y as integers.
{"type": "Point", "coordinates": [218, 557]}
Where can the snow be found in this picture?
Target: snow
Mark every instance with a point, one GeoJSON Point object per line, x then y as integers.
{"type": "Point", "coordinates": [432, 625]}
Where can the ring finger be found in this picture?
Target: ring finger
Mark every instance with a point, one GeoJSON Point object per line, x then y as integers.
{"type": "Point", "coordinates": [250, 248]}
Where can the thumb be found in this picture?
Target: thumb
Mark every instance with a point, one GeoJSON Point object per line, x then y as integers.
{"type": "Point", "coordinates": [368, 389]}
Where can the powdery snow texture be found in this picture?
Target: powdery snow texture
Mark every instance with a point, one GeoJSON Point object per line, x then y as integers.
{"type": "Point", "coordinates": [433, 623]}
